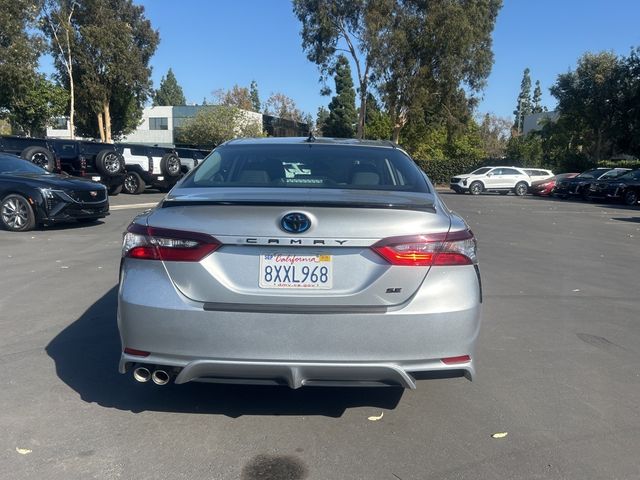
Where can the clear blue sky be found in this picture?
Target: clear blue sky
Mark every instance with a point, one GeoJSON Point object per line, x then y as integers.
{"type": "Point", "coordinates": [216, 44]}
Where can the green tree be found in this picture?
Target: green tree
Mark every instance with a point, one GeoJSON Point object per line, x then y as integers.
{"type": "Point", "coordinates": [626, 125]}
{"type": "Point", "coordinates": [19, 52]}
{"type": "Point", "coordinates": [588, 100]}
{"type": "Point", "coordinates": [378, 123]}
{"type": "Point", "coordinates": [255, 96]}
{"type": "Point", "coordinates": [170, 92]}
{"type": "Point", "coordinates": [326, 24]}
{"type": "Point", "coordinates": [437, 144]}
{"type": "Point", "coordinates": [321, 119]}
{"type": "Point", "coordinates": [537, 99]}
{"type": "Point", "coordinates": [525, 150]}
{"type": "Point", "coordinates": [342, 108]}
{"type": "Point", "coordinates": [113, 45]}
{"type": "Point", "coordinates": [430, 60]}
{"type": "Point", "coordinates": [41, 103]}
{"type": "Point", "coordinates": [216, 124]}
{"type": "Point", "coordinates": [524, 106]}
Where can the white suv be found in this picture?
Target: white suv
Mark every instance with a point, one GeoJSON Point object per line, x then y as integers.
{"type": "Point", "coordinates": [145, 165]}
{"type": "Point", "coordinates": [492, 179]}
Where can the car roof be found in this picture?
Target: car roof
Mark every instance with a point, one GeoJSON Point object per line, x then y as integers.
{"type": "Point", "coordinates": [502, 166]}
{"type": "Point", "coordinates": [307, 140]}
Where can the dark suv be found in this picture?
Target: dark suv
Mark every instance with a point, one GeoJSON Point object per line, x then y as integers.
{"type": "Point", "coordinates": [625, 188]}
{"type": "Point", "coordinates": [36, 150]}
{"type": "Point", "coordinates": [147, 165]}
{"type": "Point", "coordinates": [98, 161]}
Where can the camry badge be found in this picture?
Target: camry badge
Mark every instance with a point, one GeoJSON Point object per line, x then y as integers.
{"type": "Point", "coordinates": [295, 223]}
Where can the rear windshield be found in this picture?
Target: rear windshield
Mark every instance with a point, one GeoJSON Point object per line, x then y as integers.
{"type": "Point", "coordinates": [308, 166]}
{"type": "Point", "coordinates": [592, 173]}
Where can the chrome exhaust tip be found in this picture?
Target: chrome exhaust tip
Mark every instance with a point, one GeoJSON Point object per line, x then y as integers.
{"type": "Point", "coordinates": [160, 377]}
{"type": "Point", "coordinates": [142, 374]}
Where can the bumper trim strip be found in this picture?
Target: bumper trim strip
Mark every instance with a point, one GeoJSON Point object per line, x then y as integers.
{"type": "Point", "coordinates": [295, 309]}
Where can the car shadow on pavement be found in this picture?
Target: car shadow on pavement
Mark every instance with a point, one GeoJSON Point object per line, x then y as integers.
{"type": "Point", "coordinates": [630, 219]}
{"type": "Point", "coordinates": [73, 225]}
{"type": "Point", "coordinates": [86, 355]}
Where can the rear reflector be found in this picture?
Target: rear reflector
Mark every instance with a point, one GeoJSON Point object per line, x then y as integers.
{"type": "Point", "coordinates": [455, 360]}
{"type": "Point", "coordinates": [137, 353]}
{"type": "Point", "coordinates": [149, 243]}
{"type": "Point", "coordinates": [440, 249]}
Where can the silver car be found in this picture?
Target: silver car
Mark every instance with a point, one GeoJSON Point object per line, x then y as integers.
{"type": "Point", "coordinates": [300, 262]}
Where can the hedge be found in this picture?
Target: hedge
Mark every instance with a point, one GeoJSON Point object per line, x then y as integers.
{"type": "Point", "coordinates": [632, 164]}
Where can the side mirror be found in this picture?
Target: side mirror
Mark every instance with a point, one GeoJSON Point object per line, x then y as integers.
{"type": "Point", "coordinates": [489, 174]}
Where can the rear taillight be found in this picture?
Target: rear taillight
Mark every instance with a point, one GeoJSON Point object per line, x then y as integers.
{"type": "Point", "coordinates": [455, 360]}
{"type": "Point", "coordinates": [439, 249]}
{"type": "Point", "coordinates": [149, 243]}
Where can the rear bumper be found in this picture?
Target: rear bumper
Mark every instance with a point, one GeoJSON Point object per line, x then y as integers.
{"type": "Point", "coordinates": [404, 343]}
{"type": "Point", "coordinates": [158, 181]}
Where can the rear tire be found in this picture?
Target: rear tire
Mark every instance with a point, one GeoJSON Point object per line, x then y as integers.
{"type": "Point", "coordinates": [40, 156]}
{"type": "Point", "coordinates": [476, 188]}
{"type": "Point", "coordinates": [16, 215]}
{"type": "Point", "coordinates": [521, 189]}
{"type": "Point", "coordinates": [631, 197]}
{"type": "Point", "coordinates": [133, 184]}
{"type": "Point", "coordinates": [170, 165]}
{"type": "Point", "coordinates": [109, 163]}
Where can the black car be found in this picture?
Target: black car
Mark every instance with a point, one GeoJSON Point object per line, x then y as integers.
{"type": "Point", "coordinates": [625, 188]}
{"type": "Point", "coordinates": [579, 185]}
{"type": "Point", "coordinates": [29, 195]}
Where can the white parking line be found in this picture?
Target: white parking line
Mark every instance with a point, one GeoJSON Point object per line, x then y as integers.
{"type": "Point", "coordinates": [132, 206]}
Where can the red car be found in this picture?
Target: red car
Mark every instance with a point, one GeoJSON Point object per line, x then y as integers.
{"type": "Point", "coordinates": [545, 187]}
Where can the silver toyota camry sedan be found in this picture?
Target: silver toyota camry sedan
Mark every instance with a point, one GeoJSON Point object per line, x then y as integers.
{"type": "Point", "coordinates": [300, 261]}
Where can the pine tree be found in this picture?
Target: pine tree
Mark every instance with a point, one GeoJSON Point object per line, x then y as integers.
{"type": "Point", "coordinates": [255, 97]}
{"type": "Point", "coordinates": [170, 92]}
{"type": "Point", "coordinates": [321, 119]}
{"type": "Point", "coordinates": [342, 108]}
{"type": "Point", "coordinates": [537, 98]}
{"type": "Point", "coordinates": [524, 101]}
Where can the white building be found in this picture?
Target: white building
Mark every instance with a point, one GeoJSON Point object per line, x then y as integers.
{"type": "Point", "coordinates": [157, 126]}
{"type": "Point", "coordinates": [535, 121]}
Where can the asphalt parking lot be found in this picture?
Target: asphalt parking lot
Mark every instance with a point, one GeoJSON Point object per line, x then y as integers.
{"type": "Point", "coordinates": [558, 369]}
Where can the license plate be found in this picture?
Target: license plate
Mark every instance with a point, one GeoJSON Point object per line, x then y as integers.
{"type": "Point", "coordinates": [160, 178]}
{"type": "Point", "coordinates": [296, 271]}
{"type": "Point", "coordinates": [95, 179]}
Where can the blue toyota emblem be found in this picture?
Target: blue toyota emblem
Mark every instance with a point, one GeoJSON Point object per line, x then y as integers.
{"type": "Point", "coordinates": [295, 223]}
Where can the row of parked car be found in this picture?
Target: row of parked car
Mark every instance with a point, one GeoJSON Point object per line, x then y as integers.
{"type": "Point", "coordinates": [121, 167]}
{"type": "Point", "coordinates": [613, 184]}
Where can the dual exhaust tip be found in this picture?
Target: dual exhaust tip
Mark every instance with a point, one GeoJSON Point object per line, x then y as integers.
{"type": "Point", "coordinates": [159, 377]}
